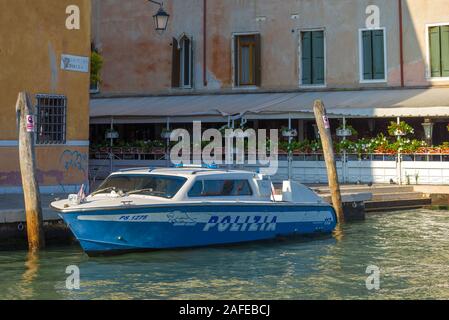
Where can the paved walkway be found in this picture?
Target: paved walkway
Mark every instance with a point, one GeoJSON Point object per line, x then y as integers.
{"type": "Point", "coordinates": [12, 207]}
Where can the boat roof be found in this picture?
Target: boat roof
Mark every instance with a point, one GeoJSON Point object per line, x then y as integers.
{"type": "Point", "coordinates": [184, 171]}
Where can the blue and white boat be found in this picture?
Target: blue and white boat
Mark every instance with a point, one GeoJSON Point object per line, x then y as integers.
{"type": "Point", "coordinates": [151, 209]}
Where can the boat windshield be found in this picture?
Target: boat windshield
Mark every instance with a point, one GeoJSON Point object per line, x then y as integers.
{"type": "Point", "coordinates": [152, 185]}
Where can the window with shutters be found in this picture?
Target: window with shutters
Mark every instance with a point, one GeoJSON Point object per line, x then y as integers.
{"type": "Point", "coordinates": [247, 64]}
{"type": "Point", "coordinates": [373, 55]}
{"type": "Point", "coordinates": [182, 66]}
{"type": "Point", "coordinates": [438, 51]}
{"type": "Point", "coordinates": [312, 58]}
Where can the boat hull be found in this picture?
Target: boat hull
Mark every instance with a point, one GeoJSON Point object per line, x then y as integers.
{"type": "Point", "coordinates": [168, 227]}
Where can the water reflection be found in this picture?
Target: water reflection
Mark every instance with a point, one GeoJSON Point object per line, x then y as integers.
{"type": "Point", "coordinates": [25, 288]}
{"type": "Point", "coordinates": [410, 248]}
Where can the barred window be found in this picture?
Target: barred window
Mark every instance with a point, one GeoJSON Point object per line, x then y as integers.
{"type": "Point", "coordinates": [51, 119]}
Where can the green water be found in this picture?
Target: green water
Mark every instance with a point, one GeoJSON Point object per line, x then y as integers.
{"type": "Point", "coordinates": [410, 248]}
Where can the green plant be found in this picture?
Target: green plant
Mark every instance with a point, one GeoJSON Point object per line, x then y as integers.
{"type": "Point", "coordinates": [316, 145]}
{"type": "Point", "coordinates": [290, 146]}
{"type": "Point", "coordinates": [345, 145]}
{"type": "Point", "coordinates": [379, 144]}
{"type": "Point", "coordinates": [407, 145]}
{"type": "Point", "coordinates": [400, 129]}
{"type": "Point", "coordinates": [96, 63]}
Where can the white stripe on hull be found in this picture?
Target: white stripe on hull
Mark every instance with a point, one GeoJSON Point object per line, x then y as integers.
{"type": "Point", "coordinates": [187, 218]}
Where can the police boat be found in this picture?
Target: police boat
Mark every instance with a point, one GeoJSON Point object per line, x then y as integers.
{"type": "Point", "coordinates": [171, 208]}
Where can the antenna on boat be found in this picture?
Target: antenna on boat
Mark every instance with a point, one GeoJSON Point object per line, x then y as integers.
{"type": "Point", "coordinates": [273, 191]}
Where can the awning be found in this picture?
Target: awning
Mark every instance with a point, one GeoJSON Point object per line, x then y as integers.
{"type": "Point", "coordinates": [432, 102]}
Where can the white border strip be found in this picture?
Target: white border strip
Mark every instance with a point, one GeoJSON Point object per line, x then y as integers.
{"type": "Point", "coordinates": [60, 189]}
{"type": "Point", "coordinates": [70, 143]}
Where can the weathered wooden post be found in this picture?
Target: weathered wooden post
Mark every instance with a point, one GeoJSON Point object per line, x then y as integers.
{"type": "Point", "coordinates": [328, 150]}
{"type": "Point", "coordinates": [30, 185]}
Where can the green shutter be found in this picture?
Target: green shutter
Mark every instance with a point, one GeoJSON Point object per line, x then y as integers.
{"type": "Point", "coordinates": [367, 55]}
{"type": "Point", "coordinates": [445, 51]}
{"type": "Point", "coordinates": [318, 57]}
{"type": "Point", "coordinates": [435, 51]}
{"type": "Point", "coordinates": [378, 54]}
{"type": "Point", "coordinates": [306, 54]}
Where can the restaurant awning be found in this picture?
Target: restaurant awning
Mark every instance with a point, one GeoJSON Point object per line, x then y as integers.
{"type": "Point", "coordinates": [432, 102]}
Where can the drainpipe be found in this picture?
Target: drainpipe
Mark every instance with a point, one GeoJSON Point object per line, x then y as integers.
{"type": "Point", "coordinates": [111, 155]}
{"type": "Point", "coordinates": [204, 43]}
{"type": "Point", "coordinates": [401, 44]}
{"type": "Point", "coordinates": [290, 152]}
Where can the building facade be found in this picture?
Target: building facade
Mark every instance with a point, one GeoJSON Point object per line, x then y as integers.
{"type": "Point", "coordinates": [266, 61]}
{"type": "Point", "coordinates": [42, 43]}
{"type": "Point", "coordinates": [271, 45]}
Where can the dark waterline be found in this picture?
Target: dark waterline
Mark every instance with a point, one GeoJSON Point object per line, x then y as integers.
{"type": "Point", "coordinates": [410, 248]}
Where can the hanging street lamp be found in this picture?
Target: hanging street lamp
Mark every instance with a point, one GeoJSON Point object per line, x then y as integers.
{"type": "Point", "coordinates": [160, 18]}
{"type": "Point", "coordinates": [428, 130]}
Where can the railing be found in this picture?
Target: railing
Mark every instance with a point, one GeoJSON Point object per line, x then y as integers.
{"type": "Point", "coordinates": [308, 168]}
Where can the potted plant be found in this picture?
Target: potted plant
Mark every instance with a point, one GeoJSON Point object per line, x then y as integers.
{"type": "Point", "coordinates": [289, 133]}
{"type": "Point", "coordinates": [111, 134]}
{"type": "Point", "coordinates": [400, 129]}
{"type": "Point", "coordinates": [166, 133]}
{"type": "Point", "coordinates": [347, 131]}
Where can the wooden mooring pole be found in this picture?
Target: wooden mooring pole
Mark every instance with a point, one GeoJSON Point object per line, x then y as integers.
{"type": "Point", "coordinates": [328, 150]}
{"type": "Point", "coordinates": [33, 209]}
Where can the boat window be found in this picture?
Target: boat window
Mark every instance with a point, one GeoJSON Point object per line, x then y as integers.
{"type": "Point", "coordinates": [153, 185]}
{"type": "Point", "coordinates": [217, 188]}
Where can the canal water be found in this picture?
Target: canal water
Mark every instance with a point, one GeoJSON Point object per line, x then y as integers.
{"type": "Point", "coordinates": [411, 250]}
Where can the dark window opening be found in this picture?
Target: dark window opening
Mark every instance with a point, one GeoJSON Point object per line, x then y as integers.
{"type": "Point", "coordinates": [247, 59]}
{"type": "Point", "coordinates": [217, 188]}
{"type": "Point", "coordinates": [182, 64]}
{"type": "Point", "coordinates": [51, 119]}
{"type": "Point", "coordinates": [149, 185]}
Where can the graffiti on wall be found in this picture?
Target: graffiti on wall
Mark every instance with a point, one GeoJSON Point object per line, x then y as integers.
{"type": "Point", "coordinates": [74, 160]}
{"type": "Point", "coordinates": [72, 168]}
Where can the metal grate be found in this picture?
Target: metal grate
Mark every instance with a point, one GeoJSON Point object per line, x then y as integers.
{"type": "Point", "coordinates": [51, 119]}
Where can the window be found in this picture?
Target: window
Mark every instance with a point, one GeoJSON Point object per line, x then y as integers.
{"type": "Point", "coordinates": [217, 188]}
{"type": "Point", "coordinates": [439, 51]}
{"type": "Point", "coordinates": [182, 74]}
{"type": "Point", "coordinates": [312, 57]}
{"type": "Point", "coordinates": [247, 60]}
{"type": "Point", "coordinates": [51, 119]}
{"type": "Point", "coordinates": [149, 185]}
{"type": "Point", "coordinates": [373, 63]}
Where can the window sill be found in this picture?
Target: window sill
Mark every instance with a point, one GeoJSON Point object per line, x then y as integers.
{"type": "Point", "coordinates": [183, 88]}
{"type": "Point", "coordinates": [374, 81]}
{"type": "Point", "coordinates": [40, 145]}
{"type": "Point", "coordinates": [313, 86]}
{"type": "Point", "coordinates": [245, 87]}
{"type": "Point", "coordinates": [437, 79]}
